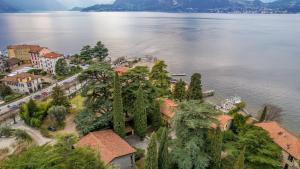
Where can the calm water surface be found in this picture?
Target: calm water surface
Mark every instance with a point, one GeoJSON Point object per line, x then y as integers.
{"type": "Point", "coordinates": [254, 56]}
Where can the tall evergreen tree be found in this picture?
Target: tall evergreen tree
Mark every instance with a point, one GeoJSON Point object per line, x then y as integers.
{"type": "Point", "coordinates": [156, 115]}
{"type": "Point", "coordinates": [118, 114]}
{"type": "Point", "coordinates": [100, 51]}
{"type": "Point", "coordinates": [151, 157]}
{"type": "Point", "coordinates": [179, 92]}
{"type": "Point", "coordinates": [32, 107]}
{"type": "Point", "coordinates": [239, 164]}
{"type": "Point", "coordinates": [264, 114]}
{"type": "Point", "coordinates": [59, 98]}
{"type": "Point", "coordinates": [163, 152]}
{"type": "Point", "coordinates": [195, 88]}
{"type": "Point", "coordinates": [215, 148]}
{"type": "Point", "coordinates": [160, 78]}
{"type": "Point", "coordinates": [61, 67]}
{"type": "Point", "coordinates": [140, 114]}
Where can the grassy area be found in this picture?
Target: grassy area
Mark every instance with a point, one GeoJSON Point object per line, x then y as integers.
{"type": "Point", "coordinates": [77, 103]}
{"type": "Point", "coordinates": [12, 97]}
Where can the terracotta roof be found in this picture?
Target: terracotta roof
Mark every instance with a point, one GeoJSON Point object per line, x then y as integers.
{"type": "Point", "coordinates": [22, 46]}
{"type": "Point", "coordinates": [107, 143]}
{"type": "Point", "coordinates": [285, 139]}
{"type": "Point", "coordinates": [223, 120]}
{"type": "Point", "coordinates": [20, 76]}
{"type": "Point", "coordinates": [36, 49]}
{"type": "Point", "coordinates": [52, 55]}
{"type": "Point", "coordinates": [121, 69]}
{"type": "Point", "coordinates": [167, 108]}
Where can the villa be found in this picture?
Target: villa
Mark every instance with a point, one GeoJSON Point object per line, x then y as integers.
{"type": "Point", "coordinates": [111, 147]}
{"type": "Point", "coordinates": [25, 83]}
{"type": "Point", "coordinates": [21, 52]}
{"type": "Point", "coordinates": [289, 143]}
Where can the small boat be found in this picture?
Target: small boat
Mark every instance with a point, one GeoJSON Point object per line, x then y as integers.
{"type": "Point", "coordinates": [178, 74]}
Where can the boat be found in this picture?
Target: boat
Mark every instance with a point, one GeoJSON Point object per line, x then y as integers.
{"type": "Point", "coordinates": [178, 74]}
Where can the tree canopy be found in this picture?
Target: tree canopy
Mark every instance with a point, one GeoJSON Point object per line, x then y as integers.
{"type": "Point", "coordinates": [195, 88]}
{"type": "Point", "coordinates": [61, 67]}
{"type": "Point", "coordinates": [59, 98]}
{"type": "Point", "coordinates": [160, 78]}
{"type": "Point", "coordinates": [179, 92]}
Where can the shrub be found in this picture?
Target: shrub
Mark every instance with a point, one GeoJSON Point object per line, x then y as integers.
{"type": "Point", "coordinates": [5, 131]}
{"type": "Point", "coordinates": [139, 154]}
{"type": "Point", "coordinates": [21, 135]}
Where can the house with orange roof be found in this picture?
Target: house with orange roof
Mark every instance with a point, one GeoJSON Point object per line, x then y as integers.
{"type": "Point", "coordinates": [25, 83]}
{"type": "Point", "coordinates": [111, 148]}
{"type": "Point", "coordinates": [121, 69]}
{"type": "Point", "coordinates": [225, 122]}
{"type": "Point", "coordinates": [47, 61]}
{"type": "Point", "coordinates": [289, 143]}
{"type": "Point", "coordinates": [167, 109]}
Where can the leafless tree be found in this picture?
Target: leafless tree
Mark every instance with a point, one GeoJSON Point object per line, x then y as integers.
{"type": "Point", "coordinates": [274, 113]}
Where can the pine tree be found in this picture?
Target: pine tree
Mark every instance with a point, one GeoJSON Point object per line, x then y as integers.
{"type": "Point", "coordinates": [163, 152]}
{"type": "Point", "coordinates": [195, 88]}
{"type": "Point", "coordinates": [156, 116]}
{"type": "Point", "coordinates": [179, 92]}
{"type": "Point", "coordinates": [151, 161]}
{"type": "Point", "coordinates": [118, 114]}
{"type": "Point", "coordinates": [264, 114]}
{"type": "Point", "coordinates": [59, 98]}
{"type": "Point", "coordinates": [215, 148]}
{"type": "Point", "coordinates": [160, 78]}
{"type": "Point", "coordinates": [239, 164]}
{"type": "Point", "coordinates": [140, 115]}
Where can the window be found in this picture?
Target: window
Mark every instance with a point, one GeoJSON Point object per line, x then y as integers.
{"type": "Point", "coordinates": [291, 158]}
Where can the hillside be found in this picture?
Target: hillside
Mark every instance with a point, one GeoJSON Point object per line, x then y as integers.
{"type": "Point", "coordinates": [29, 5]}
{"type": "Point", "coordinates": [255, 6]}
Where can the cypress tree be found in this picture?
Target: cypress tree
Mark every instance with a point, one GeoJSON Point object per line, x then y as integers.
{"type": "Point", "coordinates": [151, 161]}
{"type": "Point", "coordinates": [215, 148]}
{"type": "Point", "coordinates": [195, 88]}
{"type": "Point", "coordinates": [156, 116]}
{"type": "Point", "coordinates": [239, 164]}
{"type": "Point", "coordinates": [118, 114]}
{"type": "Point", "coordinates": [140, 115]}
{"type": "Point", "coordinates": [163, 152]}
{"type": "Point", "coordinates": [32, 107]}
{"type": "Point", "coordinates": [179, 92]}
{"type": "Point", "coordinates": [263, 115]}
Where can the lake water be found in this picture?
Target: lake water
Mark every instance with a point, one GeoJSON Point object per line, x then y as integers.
{"type": "Point", "coordinates": [256, 57]}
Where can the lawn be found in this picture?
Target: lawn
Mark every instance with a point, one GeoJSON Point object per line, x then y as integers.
{"type": "Point", "coordinates": [77, 103]}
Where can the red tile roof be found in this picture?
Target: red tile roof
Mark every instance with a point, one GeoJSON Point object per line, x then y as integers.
{"type": "Point", "coordinates": [52, 55]}
{"type": "Point", "coordinates": [223, 120]}
{"type": "Point", "coordinates": [20, 76]}
{"type": "Point", "coordinates": [283, 138]}
{"type": "Point", "coordinates": [36, 49]}
{"type": "Point", "coordinates": [107, 143]}
{"type": "Point", "coordinates": [167, 108]}
{"type": "Point", "coordinates": [121, 69]}
{"type": "Point", "coordinates": [22, 46]}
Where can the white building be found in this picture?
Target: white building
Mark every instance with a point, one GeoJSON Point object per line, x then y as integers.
{"type": "Point", "coordinates": [48, 62]}
{"type": "Point", "coordinates": [45, 59]}
{"type": "Point", "coordinates": [25, 83]}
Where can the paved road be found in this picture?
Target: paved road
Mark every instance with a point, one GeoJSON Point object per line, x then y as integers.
{"type": "Point", "coordinates": [5, 108]}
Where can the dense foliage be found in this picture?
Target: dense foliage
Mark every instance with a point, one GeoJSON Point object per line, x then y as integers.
{"type": "Point", "coordinates": [195, 88]}
{"type": "Point", "coordinates": [163, 150]}
{"type": "Point", "coordinates": [99, 52]}
{"type": "Point", "coordinates": [132, 81]}
{"type": "Point", "coordinates": [34, 112]}
{"type": "Point", "coordinates": [57, 115]}
{"type": "Point", "coordinates": [192, 123]}
{"type": "Point", "coordinates": [151, 161]}
{"type": "Point", "coordinates": [5, 91]}
{"type": "Point", "coordinates": [61, 155]}
{"type": "Point", "coordinates": [179, 92]}
{"type": "Point", "coordinates": [59, 98]}
{"type": "Point", "coordinates": [156, 115]}
{"type": "Point", "coordinates": [140, 115]}
{"type": "Point", "coordinates": [159, 77]}
{"type": "Point", "coordinates": [61, 67]}
{"type": "Point", "coordinates": [118, 113]}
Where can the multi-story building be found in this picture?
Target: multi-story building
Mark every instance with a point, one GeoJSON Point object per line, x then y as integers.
{"type": "Point", "coordinates": [25, 83]}
{"type": "Point", "coordinates": [36, 54]}
{"type": "Point", "coordinates": [289, 143]}
{"type": "Point", "coordinates": [21, 52]}
{"type": "Point", "coordinates": [48, 62]}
